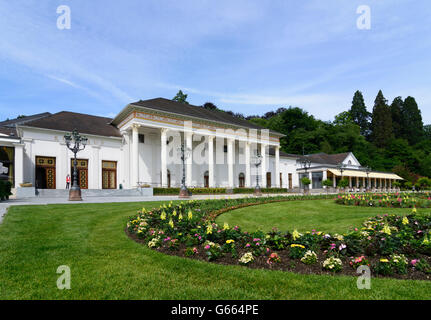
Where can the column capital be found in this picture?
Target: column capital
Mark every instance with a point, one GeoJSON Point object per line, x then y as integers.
{"type": "Point", "coordinates": [164, 130]}
{"type": "Point", "coordinates": [135, 126]}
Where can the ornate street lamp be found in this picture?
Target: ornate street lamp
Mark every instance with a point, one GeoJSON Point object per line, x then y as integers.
{"type": "Point", "coordinates": [79, 143]}
{"type": "Point", "coordinates": [368, 170]}
{"type": "Point", "coordinates": [184, 153]}
{"type": "Point", "coordinates": [257, 161]}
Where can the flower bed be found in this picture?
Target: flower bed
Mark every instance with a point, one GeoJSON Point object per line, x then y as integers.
{"type": "Point", "coordinates": [391, 245]}
{"type": "Point", "coordinates": [176, 191]}
{"type": "Point", "coordinates": [397, 200]}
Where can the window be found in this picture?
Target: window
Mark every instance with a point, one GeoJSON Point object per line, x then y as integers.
{"type": "Point", "coordinates": [241, 179]}
{"type": "Point", "coordinates": [7, 158]}
{"type": "Point", "coordinates": [141, 138]}
{"type": "Point", "coordinates": [317, 178]}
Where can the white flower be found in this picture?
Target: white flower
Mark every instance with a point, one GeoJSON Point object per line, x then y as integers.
{"type": "Point", "coordinates": [246, 258]}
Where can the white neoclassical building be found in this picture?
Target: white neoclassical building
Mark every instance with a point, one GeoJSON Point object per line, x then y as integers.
{"type": "Point", "coordinates": [140, 146]}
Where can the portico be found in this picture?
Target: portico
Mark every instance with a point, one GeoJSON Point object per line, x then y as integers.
{"type": "Point", "coordinates": [219, 151]}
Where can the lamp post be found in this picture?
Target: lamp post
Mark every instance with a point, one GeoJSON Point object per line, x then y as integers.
{"type": "Point", "coordinates": [257, 161]}
{"type": "Point", "coordinates": [305, 164]}
{"type": "Point", "coordinates": [184, 153]}
{"type": "Point", "coordinates": [79, 143]}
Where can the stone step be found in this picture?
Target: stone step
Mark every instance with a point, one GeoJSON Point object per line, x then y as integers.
{"type": "Point", "coordinates": [62, 193]}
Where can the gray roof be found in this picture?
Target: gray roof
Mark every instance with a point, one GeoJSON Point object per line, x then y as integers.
{"type": "Point", "coordinates": [84, 123]}
{"type": "Point", "coordinates": [188, 110]}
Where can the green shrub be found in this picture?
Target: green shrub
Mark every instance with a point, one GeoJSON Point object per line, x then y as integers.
{"type": "Point", "coordinates": [5, 189]}
{"type": "Point", "coordinates": [176, 191]}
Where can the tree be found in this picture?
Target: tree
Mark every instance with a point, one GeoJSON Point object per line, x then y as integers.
{"type": "Point", "coordinates": [381, 124]}
{"type": "Point", "coordinates": [180, 97]}
{"type": "Point", "coordinates": [412, 124]}
{"type": "Point", "coordinates": [210, 106]}
{"type": "Point", "coordinates": [359, 113]}
{"type": "Point", "coordinates": [397, 117]}
{"type": "Point", "coordinates": [343, 118]}
{"type": "Point", "coordinates": [427, 131]}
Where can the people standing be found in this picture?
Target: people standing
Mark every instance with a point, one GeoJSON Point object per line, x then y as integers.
{"type": "Point", "coordinates": [67, 181]}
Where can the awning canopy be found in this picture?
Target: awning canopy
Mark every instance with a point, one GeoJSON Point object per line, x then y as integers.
{"type": "Point", "coordinates": [363, 174]}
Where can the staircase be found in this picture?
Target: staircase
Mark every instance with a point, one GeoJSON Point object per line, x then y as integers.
{"type": "Point", "coordinates": [86, 193]}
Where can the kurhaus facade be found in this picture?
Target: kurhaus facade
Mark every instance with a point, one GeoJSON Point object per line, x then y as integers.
{"type": "Point", "coordinates": [140, 147]}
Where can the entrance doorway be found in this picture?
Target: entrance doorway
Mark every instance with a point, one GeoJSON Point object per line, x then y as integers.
{"type": "Point", "coordinates": [268, 179]}
{"type": "Point", "coordinates": [281, 180]}
{"type": "Point", "coordinates": [206, 179]}
{"type": "Point", "coordinates": [45, 173]}
{"type": "Point", "coordinates": [109, 175]}
{"type": "Point", "coordinates": [290, 181]}
{"type": "Point", "coordinates": [241, 180]}
{"type": "Point", "coordinates": [82, 167]}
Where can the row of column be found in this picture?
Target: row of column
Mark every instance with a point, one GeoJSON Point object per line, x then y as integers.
{"type": "Point", "coordinates": [189, 160]}
{"type": "Point", "coordinates": [387, 182]}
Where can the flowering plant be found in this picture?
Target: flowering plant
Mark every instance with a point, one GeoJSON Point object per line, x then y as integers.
{"type": "Point", "coordinates": [359, 261]}
{"type": "Point", "coordinates": [296, 251]}
{"type": "Point", "coordinates": [246, 258]}
{"type": "Point", "coordinates": [273, 258]}
{"type": "Point", "coordinates": [333, 264]}
{"type": "Point", "coordinates": [310, 257]}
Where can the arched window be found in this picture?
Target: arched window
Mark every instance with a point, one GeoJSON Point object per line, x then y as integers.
{"type": "Point", "coordinates": [241, 178]}
{"type": "Point", "coordinates": [206, 179]}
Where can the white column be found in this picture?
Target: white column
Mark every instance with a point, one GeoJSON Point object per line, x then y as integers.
{"type": "Point", "coordinates": [163, 158]}
{"type": "Point", "coordinates": [263, 165]}
{"type": "Point", "coordinates": [189, 160]}
{"type": "Point", "coordinates": [350, 182]}
{"type": "Point", "coordinates": [19, 164]}
{"type": "Point", "coordinates": [211, 161]}
{"type": "Point", "coordinates": [277, 167]}
{"type": "Point", "coordinates": [230, 144]}
{"type": "Point", "coordinates": [135, 156]}
{"type": "Point", "coordinates": [97, 168]}
{"type": "Point", "coordinates": [247, 165]}
{"type": "Point", "coordinates": [310, 176]}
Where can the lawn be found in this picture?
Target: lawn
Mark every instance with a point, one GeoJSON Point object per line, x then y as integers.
{"type": "Point", "coordinates": [321, 215]}
{"type": "Point", "coordinates": [106, 264]}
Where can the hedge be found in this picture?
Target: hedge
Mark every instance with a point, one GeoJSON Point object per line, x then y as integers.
{"type": "Point", "coordinates": [5, 189]}
{"type": "Point", "coordinates": [175, 191]}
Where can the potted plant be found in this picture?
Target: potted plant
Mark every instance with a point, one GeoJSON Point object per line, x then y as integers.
{"type": "Point", "coordinates": [327, 184]}
{"type": "Point", "coordinates": [343, 184]}
{"type": "Point", "coordinates": [306, 183]}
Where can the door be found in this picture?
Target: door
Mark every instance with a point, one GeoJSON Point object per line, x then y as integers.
{"type": "Point", "coordinates": [281, 180]}
{"type": "Point", "coordinates": [82, 167]}
{"type": "Point", "coordinates": [206, 179]}
{"type": "Point", "coordinates": [241, 180]}
{"type": "Point", "coordinates": [109, 174]}
{"type": "Point", "coordinates": [268, 179]}
{"type": "Point", "coordinates": [290, 181]}
{"type": "Point", "coordinates": [45, 173]}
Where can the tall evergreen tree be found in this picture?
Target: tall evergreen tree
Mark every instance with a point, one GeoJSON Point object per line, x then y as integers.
{"type": "Point", "coordinates": [412, 124]}
{"type": "Point", "coordinates": [180, 97]}
{"type": "Point", "coordinates": [381, 124]}
{"type": "Point", "coordinates": [359, 113]}
{"type": "Point", "coordinates": [397, 117]}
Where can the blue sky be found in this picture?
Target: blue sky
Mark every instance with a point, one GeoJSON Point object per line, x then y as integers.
{"type": "Point", "coordinates": [243, 55]}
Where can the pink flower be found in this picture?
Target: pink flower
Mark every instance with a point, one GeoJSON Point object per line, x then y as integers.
{"type": "Point", "coordinates": [247, 245]}
{"type": "Point", "coordinates": [414, 261]}
{"type": "Point", "coordinates": [207, 247]}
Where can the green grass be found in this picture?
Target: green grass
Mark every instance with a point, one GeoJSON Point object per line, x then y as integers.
{"type": "Point", "coordinates": [322, 215]}
{"type": "Point", "coordinates": [106, 264]}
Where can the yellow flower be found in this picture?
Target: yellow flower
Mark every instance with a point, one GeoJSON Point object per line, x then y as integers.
{"type": "Point", "coordinates": [230, 241]}
{"type": "Point", "coordinates": [190, 215]}
{"type": "Point", "coordinates": [296, 234]}
{"type": "Point", "coordinates": [180, 217]}
{"type": "Point", "coordinates": [209, 229]}
{"type": "Point", "coordinates": [297, 245]}
{"type": "Point", "coordinates": [405, 220]}
{"type": "Point", "coordinates": [414, 210]}
{"type": "Point", "coordinates": [386, 230]}
{"type": "Point", "coordinates": [384, 260]}
{"type": "Point", "coordinates": [225, 226]}
{"type": "Point", "coordinates": [163, 215]}
{"type": "Point", "coordinates": [174, 213]}
{"type": "Point", "coordinates": [171, 223]}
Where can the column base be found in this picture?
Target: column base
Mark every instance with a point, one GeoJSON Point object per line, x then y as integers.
{"type": "Point", "coordinates": [184, 193]}
{"type": "Point", "coordinates": [75, 195]}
